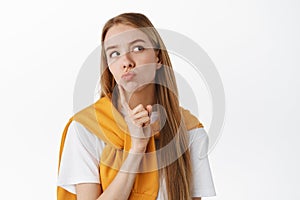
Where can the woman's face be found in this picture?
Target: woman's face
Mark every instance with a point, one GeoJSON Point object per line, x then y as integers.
{"type": "Point", "coordinates": [131, 57]}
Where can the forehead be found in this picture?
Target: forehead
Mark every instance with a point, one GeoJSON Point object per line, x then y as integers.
{"type": "Point", "coordinates": [122, 34]}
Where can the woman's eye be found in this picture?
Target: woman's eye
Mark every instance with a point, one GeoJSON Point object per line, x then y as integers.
{"type": "Point", "coordinates": [138, 48]}
{"type": "Point", "coordinates": [114, 54]}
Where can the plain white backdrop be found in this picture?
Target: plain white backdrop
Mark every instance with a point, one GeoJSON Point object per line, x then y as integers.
{"type": "Point", "coordinates": [255, 46]}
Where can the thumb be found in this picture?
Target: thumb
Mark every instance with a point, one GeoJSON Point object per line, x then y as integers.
{"type": "Point", "coordinates": [149, 109]}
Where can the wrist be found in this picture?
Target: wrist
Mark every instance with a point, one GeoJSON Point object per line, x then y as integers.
{"type": "Point", "coordinates": [137, 150]}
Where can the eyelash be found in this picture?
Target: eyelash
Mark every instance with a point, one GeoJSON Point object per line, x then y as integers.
{"type": "Point", "coordinates": [141, 48]}
{"type": "Point", "coordinates": [110, 55]}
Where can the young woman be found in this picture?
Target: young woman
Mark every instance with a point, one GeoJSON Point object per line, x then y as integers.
{"type": "Point", "coordinates": [136, 141]}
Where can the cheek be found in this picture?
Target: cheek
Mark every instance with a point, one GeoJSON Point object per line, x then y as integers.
{"type": "Point", "coordinates": [148, 57]}
{"type": "Point", "coordinates": [115, 73]}
{"type": "Point", "coordinates": [146, 73]}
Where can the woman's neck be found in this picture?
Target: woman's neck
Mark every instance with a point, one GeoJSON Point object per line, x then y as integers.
{"type": "Point", "coordinates": [145, 96]}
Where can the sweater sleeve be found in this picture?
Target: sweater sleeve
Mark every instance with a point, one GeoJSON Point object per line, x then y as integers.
{"type": "Point", "coordinates": [80, 158]}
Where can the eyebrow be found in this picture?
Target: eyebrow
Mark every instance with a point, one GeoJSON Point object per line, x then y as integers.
{"type": "Point", "coordinates": [130, 43]}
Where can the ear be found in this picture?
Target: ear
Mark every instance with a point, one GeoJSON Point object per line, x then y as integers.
{"type": "Point", "coordinates": [158, 65]}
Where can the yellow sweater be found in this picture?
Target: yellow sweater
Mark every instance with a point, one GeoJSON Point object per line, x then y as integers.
{"type": "Point", "coordinates": [104, 120]}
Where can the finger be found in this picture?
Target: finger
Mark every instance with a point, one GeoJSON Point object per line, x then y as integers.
{"type": "Point", "coordinates": [149, 109]}
{"type": "Point", "coordinates": [146, 124]}
{"type": "Point", "coordinates": [122, 94]}
{"type": "Point", "coordinates": [123, 98]}
{"type": "Point", "coordinates": [149, 112]}
{"type": "Point", "coordinates": [137, 109]}
{"type": "Point", "coordinates": [138, 115]}
{"type": "Point", "coordinates": [142, 121]}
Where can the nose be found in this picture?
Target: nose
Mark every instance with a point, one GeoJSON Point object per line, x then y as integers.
{"type": "Point", "coordinates": [128, 61]}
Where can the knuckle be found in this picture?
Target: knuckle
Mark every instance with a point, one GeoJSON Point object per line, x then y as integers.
{"type": "Point", "coordinates": [140, 106]}
{"type": "Point", "coordinates": [136, 123]}
{"type": "Point", "coordinates": [147, 119]}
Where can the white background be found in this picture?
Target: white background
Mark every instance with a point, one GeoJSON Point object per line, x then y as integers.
{"type": "Point", "coordinates": [255, 46]}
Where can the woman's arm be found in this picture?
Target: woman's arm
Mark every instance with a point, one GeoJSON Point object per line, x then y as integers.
{"type": "Point", "coordinates": [120, 188]}
{"type": "Point", "coordinates": [88, 191]}
{"type": "Point", "coordinates": [92, 191]}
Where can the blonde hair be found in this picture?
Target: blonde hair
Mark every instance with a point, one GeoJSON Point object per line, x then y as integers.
{"type": "Point", "coordinates": [178, 173]}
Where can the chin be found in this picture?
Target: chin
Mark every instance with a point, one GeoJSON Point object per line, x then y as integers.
{"type": "Point", "coordinates": [134, 87]}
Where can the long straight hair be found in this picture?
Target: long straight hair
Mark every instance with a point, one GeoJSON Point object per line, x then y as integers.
{"type": "Point", "coordinates": [177, 174]}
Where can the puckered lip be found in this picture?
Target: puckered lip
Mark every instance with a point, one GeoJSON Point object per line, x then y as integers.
{"type": "Point", "coordinates": [128, 74]}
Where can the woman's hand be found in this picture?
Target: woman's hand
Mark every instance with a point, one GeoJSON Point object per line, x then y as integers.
{"type": "Point", "coordinates": [138, 122]}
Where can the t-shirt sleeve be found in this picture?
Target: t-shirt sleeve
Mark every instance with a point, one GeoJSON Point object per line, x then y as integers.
{"type": "Point", "coordinates": [80, 158]}
{"type": "Point", "coordinates": [203, 185]}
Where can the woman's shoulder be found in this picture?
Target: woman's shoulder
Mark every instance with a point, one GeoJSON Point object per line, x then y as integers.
{"type": "Point", "coordinates": [198, 141]}
{"type": "Point", "coordinates": [198, 133]}
{"type": "Point", "coordinates": [84, 136]}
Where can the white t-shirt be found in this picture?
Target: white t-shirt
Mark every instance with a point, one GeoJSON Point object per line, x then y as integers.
{"type": "Point", "coordinates": [81, 156]}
